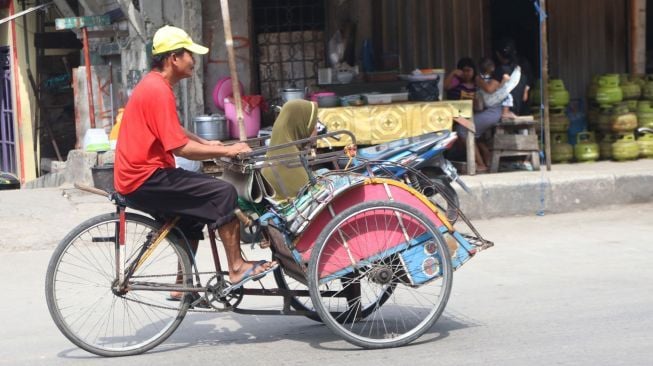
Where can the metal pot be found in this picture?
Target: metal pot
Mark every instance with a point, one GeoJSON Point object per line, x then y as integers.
{"type": "Point", "coordinates": [211, 127]}
{"type": "Point", "coordinates": [292, 93]}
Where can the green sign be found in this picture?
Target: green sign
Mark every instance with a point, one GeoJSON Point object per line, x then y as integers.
{"type": "Point", "coordinates": [81, 22]}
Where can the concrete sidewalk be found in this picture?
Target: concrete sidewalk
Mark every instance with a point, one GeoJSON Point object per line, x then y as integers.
{"type": "Point", "coordinates": [40, 218]}
{"type": "Point", "coordinates": [566, 188]}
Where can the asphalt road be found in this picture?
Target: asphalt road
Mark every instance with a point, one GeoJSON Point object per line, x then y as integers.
{"type": "Point", "coordinates": [567, 289]}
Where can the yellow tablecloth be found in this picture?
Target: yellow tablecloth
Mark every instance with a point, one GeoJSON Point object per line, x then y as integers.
{"type": "Point", "coordinates": [374, 124]}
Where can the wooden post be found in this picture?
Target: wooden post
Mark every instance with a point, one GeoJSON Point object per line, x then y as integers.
{"type": "Point", "coordinates": [637, 36]}
{"type": "Point", "coordinates": [545, 89]}
{"type": "Point", "coordinates": [229, 41]}
{"type": "Point", "coordinates": [89, 78]}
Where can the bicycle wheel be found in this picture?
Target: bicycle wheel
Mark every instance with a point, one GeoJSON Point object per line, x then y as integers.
{"type": "Point", "coordinates": [300, 303]}
{"type": "Point", "coordinates": [303, 303]}
{"type": "Point", "coordinates": [374, 248]}
{"type": "Point", "coordinates": [78, 287]}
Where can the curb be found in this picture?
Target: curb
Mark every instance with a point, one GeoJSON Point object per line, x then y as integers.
{"type": "Point", "coordinates": [537, 193]}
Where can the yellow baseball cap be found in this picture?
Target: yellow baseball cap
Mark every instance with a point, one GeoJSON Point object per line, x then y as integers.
{"type": "Point", "coordinates": [169, 38]}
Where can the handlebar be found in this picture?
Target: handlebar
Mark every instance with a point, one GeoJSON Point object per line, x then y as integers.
{"type": "Point", "coordinates": [263, 150]}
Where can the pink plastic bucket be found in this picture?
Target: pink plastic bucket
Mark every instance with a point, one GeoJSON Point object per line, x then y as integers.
{"type": "Point", "coordinates": [224, 89]}
{"type": "Point", "coordinates": [252, 120]}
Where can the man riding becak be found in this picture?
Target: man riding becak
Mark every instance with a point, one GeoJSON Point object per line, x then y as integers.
{"type": "Point", "coordinates": [145, 170]}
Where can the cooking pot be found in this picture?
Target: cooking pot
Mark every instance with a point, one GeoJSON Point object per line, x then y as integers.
{"type": "Point", "coordinates": [211, 127]}
{"type": "Point", "coordinates": [287, 94]}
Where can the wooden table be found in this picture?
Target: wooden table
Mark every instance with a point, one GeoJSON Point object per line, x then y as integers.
{"type": "Point", "coordinates": [375, 124]}
{"type": "Point", "coordinates": [515, 138]}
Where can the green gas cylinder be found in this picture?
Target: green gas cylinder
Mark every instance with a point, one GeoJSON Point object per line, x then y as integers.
{"type": "Point", "coordinates": [632, 105]}
{"type": "Point", "coordinates": [586, 148]}
{"type": "Point", "coordinates": [639, 79]}
{"type": "Point", "coordinates": [604, 119]}
{"type": "Point", "coordinates": [645, 143]}
{"type": "Point", "coordinates": [609, 91]}
{"type": "Point", "coordinates": [536, 95]}
{"type": "Point", "coordinates": [647, 91]}
{"type": "Point", "coordinates": [605, 146]}
{"type": "Point", "coordinates": [631, 90]}
{"type": "Point", "coordinates": [561, 149]}
{"type": "Point", "coordinates": [645, 114]}
{"type": "Point", "coordinates": [558, 95]}
{"type": "Point", "coordinates": [625, 147]}
{"type": "Point", "coordinates": [593, 112]}
{"type": "Point", "coordinates": [558, 121]}
{"type": "Point", "coordinates": [622, 120]}
{"type": "Point", "coordinates": [593, 87]}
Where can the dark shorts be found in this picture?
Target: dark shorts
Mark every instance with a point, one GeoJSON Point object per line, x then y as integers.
{"type": "Point", "coordinates": [198, 198]}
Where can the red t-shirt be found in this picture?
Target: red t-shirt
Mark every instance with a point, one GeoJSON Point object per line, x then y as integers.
{"type": "Point", "coordinates": [149, 131]}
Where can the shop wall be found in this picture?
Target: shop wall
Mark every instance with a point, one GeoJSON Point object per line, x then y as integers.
{"type": "Point", "coordinates": [185, 14]}
{"type": "Point", "coordinates": [587, 37]}
{"type": "Point", "coordinates": [217, 65]}
{"type": "Point", "coordinates": [429, 33]}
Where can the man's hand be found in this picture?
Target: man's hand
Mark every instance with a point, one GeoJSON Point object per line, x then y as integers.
{"type": "Point", "coordinates": [238, 148]}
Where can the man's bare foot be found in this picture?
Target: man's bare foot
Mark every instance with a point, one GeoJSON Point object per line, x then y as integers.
{"type": "Point", "coordinates": [250, 269]}
{"type": "Point", "coordinates": [175, 296]}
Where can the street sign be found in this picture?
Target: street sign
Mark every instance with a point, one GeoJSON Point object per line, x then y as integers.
{"type": "Point", "coordinates": [81, 22]}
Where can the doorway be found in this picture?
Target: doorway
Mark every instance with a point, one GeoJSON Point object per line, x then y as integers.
{"type": "Point", "coordinates": [518, 20]}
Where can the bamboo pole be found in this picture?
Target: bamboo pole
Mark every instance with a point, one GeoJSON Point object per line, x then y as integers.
{"type": "Point", "coordinates": [637, 36]}
{"type": "Point", "coordinates": [545, 90]}
{"type": "Point", "coordinates": [229, 41]}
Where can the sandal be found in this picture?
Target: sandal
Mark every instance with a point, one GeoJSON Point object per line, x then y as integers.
{"type": "Point", "coordinates": [250, 276]}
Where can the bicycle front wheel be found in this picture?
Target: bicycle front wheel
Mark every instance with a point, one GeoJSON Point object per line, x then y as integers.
{"type": "Point", "coordinates": [80, 294]}
{"type": "Point", "coordinates": [380, 274]}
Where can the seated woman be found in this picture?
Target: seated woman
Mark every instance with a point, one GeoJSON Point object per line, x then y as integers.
{"type": "Point", "coordinates": [461, 84]}
{"type": "Point", "coordinates": [297, 120]}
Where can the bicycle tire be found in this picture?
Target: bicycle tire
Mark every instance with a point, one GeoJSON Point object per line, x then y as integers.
{"type": "Point", "coordinates": [378, 222]}
{"type": "Point", "coordinates": [78, 287]}
{"type": "Point", "coordinates": [302, 303]}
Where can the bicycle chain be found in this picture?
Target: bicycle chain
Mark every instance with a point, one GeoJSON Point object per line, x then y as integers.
{"type": "Point", "coordinates": [190, 310]}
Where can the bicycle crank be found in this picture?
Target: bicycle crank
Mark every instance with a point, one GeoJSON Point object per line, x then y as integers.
{"type": "Point", "coordinates": [215, 287]}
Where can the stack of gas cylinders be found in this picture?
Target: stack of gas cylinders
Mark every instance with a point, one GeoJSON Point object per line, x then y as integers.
{"type": "Point", "coordinates": [619, 105]}
{"type": "Point", "coordinates": [559, 122]}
